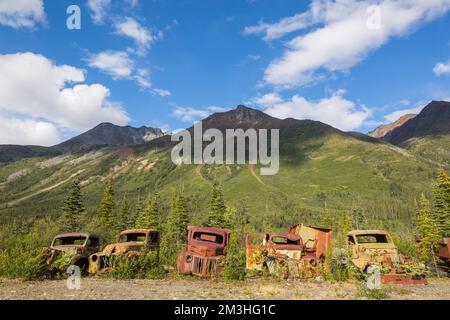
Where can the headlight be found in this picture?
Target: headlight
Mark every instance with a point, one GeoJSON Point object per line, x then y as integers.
{"type": "Point", "coordinates": [188, 258]}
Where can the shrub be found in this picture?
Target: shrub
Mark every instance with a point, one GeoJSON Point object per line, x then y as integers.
{"type": "Point", "coordinates": [20, 260]}
{"type": "Point", "coordinates": [23, 256]}
{"type": "Point", "coordinates": [234, 268]}
{"type": "Point", "coordinates": [371, 294]}
{"type": "Point", "coordinates": [145, 265]}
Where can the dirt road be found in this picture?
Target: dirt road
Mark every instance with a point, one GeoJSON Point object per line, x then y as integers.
{"type": "Point", "coordinates": [95, 289]}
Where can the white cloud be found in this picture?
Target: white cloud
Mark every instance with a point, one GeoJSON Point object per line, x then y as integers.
{"type": "Point", "coordinates": [21, 13]}
{"type": "Point", "coordinates": [143, 36]}
{"type": "Point", "coordinates": [442, 68]}
{"type": "Point", "coordinates": [33, 87]}
{"type": "Point", "coordinates": [161, 92]}
{"type": "Point", "coordinates": [394, 116]}
{"type": "Point", "coordinates": [117, 64]}
{"type": "Point", "coordinates": [268, 100]}
{"type": "Point", "coordinates": [99, 10]}
{"type": "Point", "coordinates": [28, 132]}
{"type": "Point", "coordinates": [335, 110]}
{"type": "Point", "coordinates": [341, 38]}
{"type": "Point", "coordinates": [190, 115]}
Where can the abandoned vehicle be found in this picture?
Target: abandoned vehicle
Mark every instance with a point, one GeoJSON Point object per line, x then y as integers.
{"type": "Point", "coordinates": [130, 243]}
{"type": "Point", "coordinates": [205, 251]}
{"type": "Point", "coordinates": [71, 249]}
{"type": "Point", "coordinates": [316, 241]}
{"type": "Point", "coordinates": [293, 254]}
{"type": "Point", "coordinates": [376, 248]}
{"type": "Point", "coordinates": [444, 255]}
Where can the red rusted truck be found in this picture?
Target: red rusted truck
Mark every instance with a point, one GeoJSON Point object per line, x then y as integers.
{"type": "Point", "coordinates": [205, 251]}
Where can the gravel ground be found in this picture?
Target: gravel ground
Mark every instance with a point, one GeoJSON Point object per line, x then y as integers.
{"type": "Point", "coordinates": [100, 289]}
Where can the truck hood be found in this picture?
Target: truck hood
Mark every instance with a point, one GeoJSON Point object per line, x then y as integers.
{"type": "Point", "coordinates": [123, 247]}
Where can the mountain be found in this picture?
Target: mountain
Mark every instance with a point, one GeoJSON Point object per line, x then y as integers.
{"type": "Point", "coordinates": [426, 135]}
{"type": "Point", "coordinates": [384, 130]}
{"type": "Point", "coordinates": [11, 153]}
{"type": "Point", "coordinates": [434, 120]}
{"type": "Point", "coordinates": [107, 134]}
{"type": "Point", "coordinates": [321, 168]}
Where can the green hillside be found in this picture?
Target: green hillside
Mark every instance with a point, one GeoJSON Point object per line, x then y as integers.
{"type": "Point", "coordinates": [433, 147]}
{"type": "Point", "coordinates": [330, 171]}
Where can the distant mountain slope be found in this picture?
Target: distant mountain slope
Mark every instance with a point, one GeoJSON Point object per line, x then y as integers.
{"type": "Point", "coordinates": [427, 134]}
{"type": "Point", "coordinates": [11, 153]}
{"type": "Point", "coordinates": [321, 168]}
{"type": "Point", "coordinates": [107, 134]}
{"type": "Point", "coordinates": [384, 130]}
{"type": "Point", "coordinates": [433, 120]}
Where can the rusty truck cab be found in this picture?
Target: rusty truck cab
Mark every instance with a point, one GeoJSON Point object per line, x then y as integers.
{"type": "Point", "coordinates": [130, 242]}
{"type": "Point", "coordinates": [205, 251]}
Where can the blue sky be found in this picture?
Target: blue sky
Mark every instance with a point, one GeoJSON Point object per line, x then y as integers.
{"type": "Point", "coordinates": [168, 63]}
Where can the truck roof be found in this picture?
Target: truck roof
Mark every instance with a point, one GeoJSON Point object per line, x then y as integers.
{"type": "Point", "coordinates": [209, 229]}
{"type": "Point", "coordinates": [367, 232]}
{"type": "Point", "coordinates": [76, 234]}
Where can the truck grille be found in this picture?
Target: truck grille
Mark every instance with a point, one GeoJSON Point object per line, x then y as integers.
{"type": "Point", "coordinates": [205, 266]}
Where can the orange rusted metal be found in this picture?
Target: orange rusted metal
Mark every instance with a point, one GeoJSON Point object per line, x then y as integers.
{"type": "Point", "coordinates": [393, 278]}
{"type": "Point", "coordinates": [130, 242]}
{"type": "Point", "coordinates": [376, 248]}
{"type": "Point", "coordinates": [316, 241]}
{"type": "Point", "coordinates": [444, 249]}
{"type": "Point", "coordinates": [205, 251]}
{"type": "Point", "coordinates": [71, 249]}
{"type": "Point", "coordinates": [281, 253]}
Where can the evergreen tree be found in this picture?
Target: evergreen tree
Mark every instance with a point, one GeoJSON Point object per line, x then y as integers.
{"type": "Point", "coordinates": [266, 225]}
{"type": "Point", "coordinates": [73, 207]}
{"type": "Point", "coordinates": [175, 230]}
{"type": "Point", "coordinates": [428, 230]}
{"type": "Point", "coordinates": [124, 220]}
{"type": "Point", "coordinates": [327, 220]}
{"type": "Point", "coordinates": [230, 217]}
{"type": "Point", "coordinates": [107, 205]}
{"type": "Point", "coordinates": [217, 208]}
{"type": "Point", "coordinates": [148, 218]}
{"type": "Point", "coordinates": [235, 268]}
{"type": "Point", "coordinates": [345, 226]}
{"type": "Point", "coordinates": [441, 208]}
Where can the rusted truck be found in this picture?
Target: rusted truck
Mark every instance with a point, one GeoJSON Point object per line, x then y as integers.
{"type": "Point", "coordinates": [71, 249]}
{"type": "Point", "coordinates": [297, 253]}
{"type": "Point", "coordinates": [443, 254]}
{"type": "Point", "coordinates": [316, 241]}
{"type": "Point", "coordinates": [129, 243]}
{"type": "Point", "coordinates": [205, 251]}
{"type": "Point", "coordinates": [376, 248]}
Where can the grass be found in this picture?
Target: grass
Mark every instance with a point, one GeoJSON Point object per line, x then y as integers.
{"type": "Point", "coordinates": [338, 171]}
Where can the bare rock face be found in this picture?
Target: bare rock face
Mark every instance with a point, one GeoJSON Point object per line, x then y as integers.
{"type": "Point", "coordinates": [385, 129]}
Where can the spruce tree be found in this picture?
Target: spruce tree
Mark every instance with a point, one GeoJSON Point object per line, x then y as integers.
{"type": "Point", "coordinates": [266, 224]}
{"type": "Point", "coordinates": [73, 207]}
{"type": "Point", "coordinates": [124, 216]}
{"type": "Point", "coordinates": [327, 220]}
{"type": "Point", "coordinates": [441, 208]}
{"type": "Point", "coordinates": [428, 230]}
{"type": "Point", "coordinates": [175, 230]}
{"type": "Point", "coordinates": [148, 218]}
{"type": "Point", "coordinates": [217, 208]}
{"type": "Point", "coordinates": [107, 205]}
{"type": "Point", "coordinates": [345, 226]}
